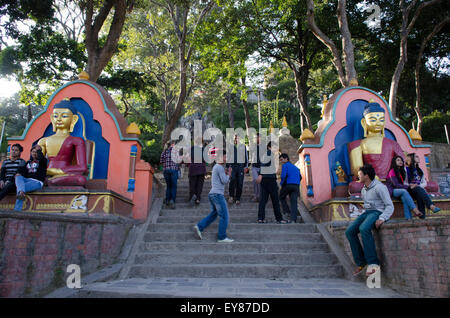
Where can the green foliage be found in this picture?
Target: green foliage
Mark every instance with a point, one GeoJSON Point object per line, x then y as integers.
{"type": "Point", "coordinates": [433, 126]}
{"type": "Point", "coordinates": [15, 115]}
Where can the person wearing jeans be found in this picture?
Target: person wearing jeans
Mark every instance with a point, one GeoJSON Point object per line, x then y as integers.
{"type": "Point", "coordinates": [417, 182]}
{"type": "Point", "coordinates": [31, 177]}
{"type": "Point", "coordinates": [395, 183]}
{"type": "Point", "coordinates": [219, 178]}
{"type": "Point", "coordinates": [169, 160]}
{"type": "Point", "coordinates": [378, 209]}
{"type": "Point", "coordinates": [290, 183]}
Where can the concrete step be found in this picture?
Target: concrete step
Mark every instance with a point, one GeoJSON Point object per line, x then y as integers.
{"type": "Point", "coordinates": [201, 213]}
{"type": "Point", "coordinates": [237, 227]}
{"type": "Point", "coordinates": [268, 271]}
{"type": "Point", "coordinates": [244, 205]}
{"type": "Point", "coordinates": [211, 235]}
{"type": "Point", "coordinates": [236, 258]}
{"type": "Point", "coordinates": [193, 219]}
{"type": "Point", "coordinates": [236, 246]}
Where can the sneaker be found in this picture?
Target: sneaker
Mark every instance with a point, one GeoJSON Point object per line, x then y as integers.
{"type": "Point", "coordinates": [436, 209]}
{"type": "Point", "coordinates": [231, 200]}
{"type": "Point", "coordinates": [192, 200]}
{"type": "Point", "coordinates": [238, 202]}
{"type": "Point", "coordinates": [198, 232]}
{"type": "Point", "coordinates": [359, 270]}
{"type": "Point", "coordinates": [172, 205]}
{"type": "Point", "coordinates": [225, 240]}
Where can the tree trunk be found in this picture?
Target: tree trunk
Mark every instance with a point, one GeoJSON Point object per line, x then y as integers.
{"type": "Point", "coordinates": [230, 110]}
{"type": "Point", "coordinates": [300, 89]}
{"type": "Point", "coordinates": [337, 62]}
{"type": "Point", "coordinates": [179, 15]}
{"type": "Point", "coordinates": [245, 106]}
{"type": "Point", "coordinates": [347, 45]}
{"type": "Point", "coordinates": [98, 57]}
{"type": "Point", "coordinates": [404, 33]}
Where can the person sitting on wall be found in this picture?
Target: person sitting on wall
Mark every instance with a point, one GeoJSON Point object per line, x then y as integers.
{"type": "Point", "coordinates": [395, 182]}
{"type": "Point", "coordinates": [9, 170]}
{"type": "Point", "coordinates": [415, 177]}
{"type": "Point", "coordinates": [378, 209]}
{"type": "Point", "coordinates": [66, 154]}
{"type": "Point", "coordinates": [30, 177]}
{"type": "Point", "coordinates": [374, 149]}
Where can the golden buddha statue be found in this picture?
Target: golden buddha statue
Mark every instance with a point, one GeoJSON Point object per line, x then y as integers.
{"type": "Point", "coordinates": [374, 148]}
{"type": "Point", "coordinates": [66, 154]}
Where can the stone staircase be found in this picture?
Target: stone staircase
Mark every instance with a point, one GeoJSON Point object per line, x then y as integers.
{"type": "Point", "coordinates": [170, 248]}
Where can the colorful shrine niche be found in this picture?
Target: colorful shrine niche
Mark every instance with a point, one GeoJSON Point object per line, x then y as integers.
{"type": "Point", "coordinates": [331, 157]}
{"type": "Point", "coordinates": [107, 167]}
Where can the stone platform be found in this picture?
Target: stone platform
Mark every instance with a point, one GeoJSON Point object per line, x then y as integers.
{"type": "Point", "coordinates": [341, 209]}
{"type": "Point", "coordinates": [72, 200]}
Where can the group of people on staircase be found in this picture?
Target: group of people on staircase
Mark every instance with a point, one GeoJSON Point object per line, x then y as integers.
{"type": "Point", "coordinates": [233, 172]}
{"type": "Point", "coordinates": [404, 182]}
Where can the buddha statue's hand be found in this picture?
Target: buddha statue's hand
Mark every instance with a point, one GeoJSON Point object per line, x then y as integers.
{"type": "Point", "coordinates": [55, 172]}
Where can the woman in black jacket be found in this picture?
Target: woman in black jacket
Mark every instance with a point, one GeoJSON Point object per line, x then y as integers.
{"type": "Point", "coordinates": [31, 177]}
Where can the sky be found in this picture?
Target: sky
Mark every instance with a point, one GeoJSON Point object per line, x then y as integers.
{"type": "Point", "coordinates": [8, 88]}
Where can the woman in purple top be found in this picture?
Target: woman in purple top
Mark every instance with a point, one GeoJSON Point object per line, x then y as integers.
{"type": "Point", "coordinates": [395, 184]}
{"type": "Point", "coordinates": [415, 176]}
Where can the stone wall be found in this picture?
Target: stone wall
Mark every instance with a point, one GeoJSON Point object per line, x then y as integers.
{"type": "Point", "coordinates": [414, 255]}
{"type": "Point", "coordinates": [36, 248]}
{"type": "Point", "coordinates": [439, 155]}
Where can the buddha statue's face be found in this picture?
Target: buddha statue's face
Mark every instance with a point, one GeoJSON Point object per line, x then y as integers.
{"type": "Point", "coordinates": [373, 123]}
{"type": "Point", "coordinates": [63, 119]}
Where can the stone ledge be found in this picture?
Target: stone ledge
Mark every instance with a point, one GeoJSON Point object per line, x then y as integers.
{"type": "Point", "coordinates": [65, 217]}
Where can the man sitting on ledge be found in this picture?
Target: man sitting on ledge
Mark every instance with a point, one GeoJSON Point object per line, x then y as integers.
{"type": "Point", "coordinates": [378, 209]}
{"type": "Point", "coordinates": [66, 154]}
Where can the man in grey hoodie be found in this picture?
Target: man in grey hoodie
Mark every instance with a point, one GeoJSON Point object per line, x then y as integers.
{"type": "Point", "coordinates": [378, 209]}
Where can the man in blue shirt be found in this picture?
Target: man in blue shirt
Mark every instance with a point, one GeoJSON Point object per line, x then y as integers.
{"type": "Point", "coordinates": [290, 181]}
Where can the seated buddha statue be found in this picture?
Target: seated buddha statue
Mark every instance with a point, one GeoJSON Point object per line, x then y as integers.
{"type": "Point", "coordinates": [66, 154]}
{"type": "Point", "coordinates": [374, 148]}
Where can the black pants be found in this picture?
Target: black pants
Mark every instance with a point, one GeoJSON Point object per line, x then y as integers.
{"type": "Point", "coordinates": [293, 191]}
{"type": "Point", "coordinates": [269, 186]}
{"type": "Point", "coordinates": [196, 186]}
{"type": "Point", "coordinates": [8, 188]}
{"type": "Point", "coordinates": [236, 182]}
{"type": "Point", "coordinates": [423, 199]}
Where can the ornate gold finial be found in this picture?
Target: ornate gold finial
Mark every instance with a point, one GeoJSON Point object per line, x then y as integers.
{"type": "Point", "coordinates": [324, 102]}
{"type": "Point", "coordinates": [83, 75]}
{"type": "Point", "coordinates": [133, 129]}
{"type": "Point", "coordinates": [414, 135]}
{"type": "Point", "coordinates": [306, 134]}
{"type": "Point", "coordinates": [353, 82]}
{"type": "Point", "coordinates": [285, 124]}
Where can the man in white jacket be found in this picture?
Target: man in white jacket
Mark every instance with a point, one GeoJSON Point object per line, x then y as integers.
{"type": "Point", "coordinates": [378, 209]}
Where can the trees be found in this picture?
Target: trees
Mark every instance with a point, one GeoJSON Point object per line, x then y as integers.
{"type": "Point", "coordinates": [345, 62]}
{"type": "Point", "coordinates": [186, 18]}
{"type": "Point", "coordinates": [100, 51]}
{"type": "Point", "coordinates": [406, 26]}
